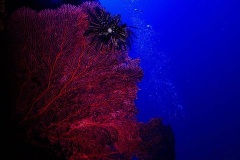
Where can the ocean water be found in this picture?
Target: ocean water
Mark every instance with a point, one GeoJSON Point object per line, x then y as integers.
{"type": "Point", "coordinates": [190, 54]}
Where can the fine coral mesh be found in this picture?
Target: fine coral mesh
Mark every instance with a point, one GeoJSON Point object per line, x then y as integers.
{"type": "Point", "coordinates": [68, 93]}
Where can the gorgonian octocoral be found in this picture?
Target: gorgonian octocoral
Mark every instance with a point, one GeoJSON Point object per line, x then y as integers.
{"type": "Point", "coordinates": [108, 31]}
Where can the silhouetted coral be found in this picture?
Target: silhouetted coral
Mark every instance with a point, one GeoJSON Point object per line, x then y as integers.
{"type": "Point", "coordinates": [158, 142]}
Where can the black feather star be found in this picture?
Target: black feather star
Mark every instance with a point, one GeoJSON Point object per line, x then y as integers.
{"type": "Point", "coordinates": [107, 31]}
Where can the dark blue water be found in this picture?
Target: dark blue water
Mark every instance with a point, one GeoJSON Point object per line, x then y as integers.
{"type": "Point", "coordinates": [190, 54]}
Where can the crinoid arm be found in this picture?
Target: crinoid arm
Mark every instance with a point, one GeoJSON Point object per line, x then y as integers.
{"type": "Point", "coordinates": [107, 31]}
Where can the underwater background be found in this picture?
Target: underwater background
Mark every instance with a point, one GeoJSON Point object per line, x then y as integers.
{"type": "Point", "coordinates": [190, 54]}
{"type": "Point", "coordinates": [189, 51]}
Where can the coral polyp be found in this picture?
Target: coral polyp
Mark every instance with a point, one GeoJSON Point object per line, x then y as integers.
{"type": "Point", "coordinates": [108, 31]}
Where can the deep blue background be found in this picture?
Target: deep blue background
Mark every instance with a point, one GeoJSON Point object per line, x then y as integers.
{"type": "Point", "coordinates": [201, 40]}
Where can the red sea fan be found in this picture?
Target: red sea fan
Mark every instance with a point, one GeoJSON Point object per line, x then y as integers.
{"type": "Point", "coordinates": [71, 97]}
